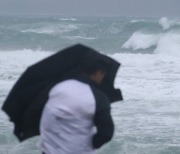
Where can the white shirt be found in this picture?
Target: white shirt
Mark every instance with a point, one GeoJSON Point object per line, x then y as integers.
{"type": "Point", "coordinates": [67, 120]}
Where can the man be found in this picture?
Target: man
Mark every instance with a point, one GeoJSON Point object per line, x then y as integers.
{"type": "Point", "coordinates": [74, 107]}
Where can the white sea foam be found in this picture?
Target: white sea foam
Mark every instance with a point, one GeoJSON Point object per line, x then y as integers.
{"type": "Point", "coordinates": [151, 76]}
{"type": "Point", "coordinates": [66, 19]}
{"type": "Point", "coordinates": [147, 119]}
{"type": "Point", "coordinates": [149, 69]}
{"type": "Point", "coordinates": [169, 43]}
{"type": "Point", "coordinates": [79, 37]}
{"type": "Point", "coordinates": [13, 63]}
{"type": "Point", "coordinates": [134, 21]}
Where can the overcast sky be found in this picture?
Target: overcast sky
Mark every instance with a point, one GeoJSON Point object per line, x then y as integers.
{"type": "Point", "coordinates": [151, 8]}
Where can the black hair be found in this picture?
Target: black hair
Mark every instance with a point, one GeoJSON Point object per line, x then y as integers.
{"type": "Point", "coordinates": [94, 62]}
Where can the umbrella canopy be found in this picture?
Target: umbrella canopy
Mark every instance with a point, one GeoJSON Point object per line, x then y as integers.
{"type": "Point", "coordinates": [26, 100]}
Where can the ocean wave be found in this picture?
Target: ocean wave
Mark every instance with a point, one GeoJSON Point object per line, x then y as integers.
{"type": "Point", "coordinates": [79, 37]}
{"type": "Point", "coordinates": [165, 23]}
{"type": "Point", "coordinates": [139, 40]}
{"type": "Point", "coordinates": [51, 29]}
{"type": "Point", "coordinates": [135, 20]}
{"type": "Point", "coordinates": [166, 43]}
{"type": "Point", "coordinates": [67, 19]}
{"type": "Point", "coordinates": [38, 31]}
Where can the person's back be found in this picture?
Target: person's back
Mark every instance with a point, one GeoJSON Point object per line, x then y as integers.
{"type": "Point", "coordinates": [70, 110]}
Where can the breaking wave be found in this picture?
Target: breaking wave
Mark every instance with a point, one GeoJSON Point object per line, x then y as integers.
{"type": "Point", "coordinates": [164, 43]}
{"type": "Point", "coordinates": [140, 40]}
{"type": "Point", "coordinates": [165, 23]}
{"type": "Point", "coordinates": [51, 29]}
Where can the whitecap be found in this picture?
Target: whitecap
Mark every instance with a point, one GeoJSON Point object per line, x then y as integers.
{"type": "Point", "coordinates": [66, 19]}
{"type": "Point", "coordinates": [166, 23]}
{"type": "Point", "coordinates": [134, 20]}
{"type": "Point", "coordinates": [139, 40]}
{"type": "Point", "coordinates": [52, 29]}
{"type": "Point", "coordinates": [79, 37]}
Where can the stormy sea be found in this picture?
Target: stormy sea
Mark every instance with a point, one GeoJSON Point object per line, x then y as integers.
{"type": "Point", "coordinates": [147, 121]}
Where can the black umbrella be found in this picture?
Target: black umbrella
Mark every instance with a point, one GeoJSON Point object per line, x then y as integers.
{"type": "Point", "coordinates": [25, 102]}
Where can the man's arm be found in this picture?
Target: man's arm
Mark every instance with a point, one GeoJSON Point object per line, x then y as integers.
{"type": "Point", "coordinates": [105, 128]}
{"type": "Point", "coordinates": [102, 119]}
